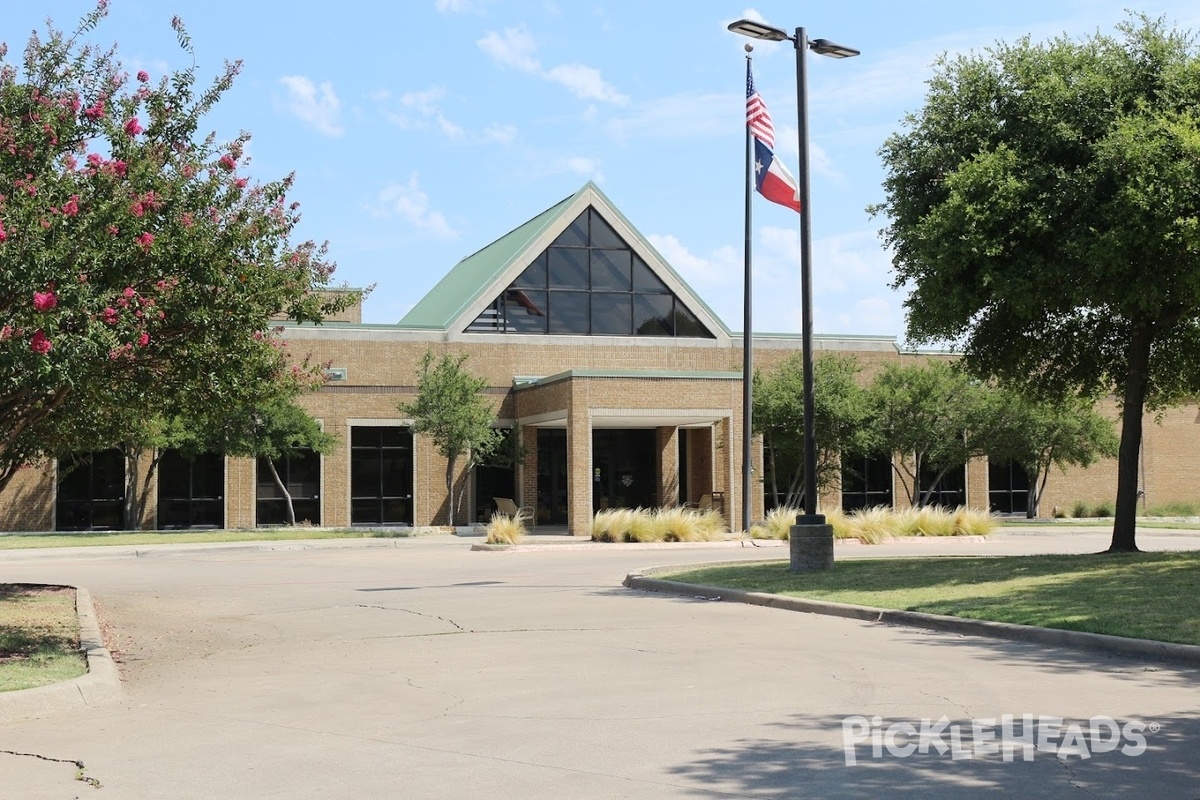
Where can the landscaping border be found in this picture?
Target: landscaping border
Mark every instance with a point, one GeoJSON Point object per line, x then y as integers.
{"type": "Point", "coordinates": [1052, 637]}
{"type": "Point", "coordinates": [101, 683]}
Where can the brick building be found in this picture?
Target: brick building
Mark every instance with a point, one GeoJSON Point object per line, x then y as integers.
{"type": "Point", "coordinates": [621, 385]}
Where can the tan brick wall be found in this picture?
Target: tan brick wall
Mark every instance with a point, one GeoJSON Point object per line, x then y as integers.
{"type": "Point", "coordinates": [381, 366]}
{"type": "Point", "coordinates": [28, 501]}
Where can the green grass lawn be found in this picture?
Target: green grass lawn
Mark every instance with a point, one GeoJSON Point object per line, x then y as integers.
{"type": "Point", "coordinates": [1140, 595]}
{"type": "Point", "coordinates": [39, 636]}
{"type": "Point", "coordinates": [18, 541]}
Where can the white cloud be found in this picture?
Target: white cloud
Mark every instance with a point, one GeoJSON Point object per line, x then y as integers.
{"type": "Point", "coordinates": [420, 110]}
{"type": "Point", "coordinates": [720, 268]}
{"type": "Point", "coordinates": [685, 115]}
{"type": "Point", "coordinates": [586, 83]}
{"type": "Point", "coordinates": [516, 48]}
{"type": "Point", "coordinates": [316, 105]}
{"type": "Point", "coordinates": [500, 133]}
{"type": "Point", "coordinates": [582, 165]}
{"type": "Point", "coordinates": [460, 6]}
{"type": "Point", "coordinates": [408, 202]}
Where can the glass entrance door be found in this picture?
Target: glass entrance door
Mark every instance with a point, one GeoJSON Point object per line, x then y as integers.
{"type": "Point", "coordinates": [624, 469]}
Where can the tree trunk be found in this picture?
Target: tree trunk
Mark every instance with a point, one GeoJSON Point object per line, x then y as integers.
{"type": "Point", "coordinates": [1037, 483]}
{"type": "Point", "coordinates": [145, 493]}
{"type": "Point", "coordinates": [129, 519]}
{"type": "Point", "coordinates": [1124, 538]}
{"type": "Point", "coordinates": [450, 488]}
{"type": "Point", "coordinates": [287, 496]}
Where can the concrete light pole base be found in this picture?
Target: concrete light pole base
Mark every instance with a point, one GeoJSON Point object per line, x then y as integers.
{"type": "Point", "coordinates": [811, 543]}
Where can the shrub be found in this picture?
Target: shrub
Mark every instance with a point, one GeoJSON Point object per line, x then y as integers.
{"type": "Point", "coordinates": [873, 525]}
{"type": "Point", "coordinates": [503, 529]}
{"type": "Point", "coordinates": [777, 525]}
{"type": "Point", "coordinates": [1175, 510]}
{"type": "Point", "coordinates": [972, 522]}
{"type": "Point", "coordinates": [663, 524]}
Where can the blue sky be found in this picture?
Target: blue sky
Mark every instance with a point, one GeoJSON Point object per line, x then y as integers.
{"type": "Point", "coordinates": [422, 130]}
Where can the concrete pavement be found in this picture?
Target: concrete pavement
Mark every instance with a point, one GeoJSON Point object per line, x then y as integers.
{"type": "Point", "coordinates": [422, 669]}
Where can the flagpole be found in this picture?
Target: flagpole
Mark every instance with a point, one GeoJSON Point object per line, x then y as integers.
{"type": "Point", "coordinates": [747, 338]}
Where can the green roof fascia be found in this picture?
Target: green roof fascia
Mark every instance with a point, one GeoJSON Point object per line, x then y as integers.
{"type": "Point", "coordinates": [477, 273]}
{"type": "Point", "coordinates": [629, 373]}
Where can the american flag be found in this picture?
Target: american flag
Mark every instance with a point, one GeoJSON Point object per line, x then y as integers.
{"type": "Point", "coordinates": [756, 113]}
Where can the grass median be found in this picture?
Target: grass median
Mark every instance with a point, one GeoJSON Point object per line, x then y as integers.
{"type": "Point", "coordinates": [1139, 595]}
{"type": "Point", "coordinates": [39, 636]}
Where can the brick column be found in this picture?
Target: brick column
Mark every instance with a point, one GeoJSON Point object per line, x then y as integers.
{"type": "Point", "coordinates": [977, 484]}
{"type": "Point", "coordinates": [579, 469]}
{"type": "Point", "coordinates": [527, 471]}
{"type": "Point", "coordinates": [668, 466]}
{"type": "Point", "coordinates": [240, 492]}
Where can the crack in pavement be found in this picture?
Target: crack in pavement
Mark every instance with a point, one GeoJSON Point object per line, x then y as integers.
{"type": "Point", "coordinates": [1074, 779]}
{"type": "Point", "coordinates": [416, 613]}
{"type": "Point", "coordinates": [77, 764]}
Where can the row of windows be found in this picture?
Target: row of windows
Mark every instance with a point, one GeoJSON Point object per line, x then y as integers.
{"type": "Point", "coordinates": [91, 491]}
{"type": "Point", "coordinates": [91, 488]}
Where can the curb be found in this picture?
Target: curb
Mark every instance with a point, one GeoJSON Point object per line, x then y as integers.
{"type": "Point", "coordinates": [1117, 645]}
{"type": "Point", "coordinates": [101, 684]}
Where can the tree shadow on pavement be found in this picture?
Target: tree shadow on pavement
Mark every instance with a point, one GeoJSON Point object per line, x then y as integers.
{"type": "Point", "coordinates": [807, 758]}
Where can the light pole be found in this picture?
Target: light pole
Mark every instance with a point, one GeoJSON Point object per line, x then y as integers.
{"type": "Point", "coordinates": [811, 538]}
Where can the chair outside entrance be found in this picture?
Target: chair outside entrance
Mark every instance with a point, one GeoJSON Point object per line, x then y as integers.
{"type": "Point", "coordinates": [506, 506]}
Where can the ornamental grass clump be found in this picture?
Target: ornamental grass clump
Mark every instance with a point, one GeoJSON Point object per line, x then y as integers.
{"type": "Point", "coordinates": [873, 525]}
{"type": "Point", "coordinates": [676, 524]}
{"type": "Point", "coordinates": [657, 525]}
{"type": "Point", "coordinates": [972, 522]}
{"type": "Point", "coordinates": [503, 529]}
{"type": "Point", "coordinates": [778, 524]}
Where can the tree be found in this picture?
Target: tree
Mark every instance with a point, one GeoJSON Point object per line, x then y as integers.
{"type": "Point", "coordinates": [278, 429]}
{"type": "Point", "coordinates": [1040, 434]}
{"type": "Point", "coordinates": [933, 418]}
{"type": "Point", "coordinates": [451, 411]}
{"type": "Point", "coordinates": [839, 411]}
{"type": "Point", "coordinates": [134, 260]}
{"type": "Point", "coordinates": [1043, 208]}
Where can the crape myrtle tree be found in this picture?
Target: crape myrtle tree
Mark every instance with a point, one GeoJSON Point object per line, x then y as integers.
{"type": "Point", "coordinates": [1044, 209]}
{"type": "Point", "coordinates": [138, 268]}
{"type": "Point", "coordinates": [839, 407]}
{"type": "Point", "coordinates": [451, 410]}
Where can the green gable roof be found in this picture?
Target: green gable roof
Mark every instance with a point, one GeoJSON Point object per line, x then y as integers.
{"type": "Point", "coordinates": [480, 273]}
{"type": "Point", "coordinates": [476, 274]}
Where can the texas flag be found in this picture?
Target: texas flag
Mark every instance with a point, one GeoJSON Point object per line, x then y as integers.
{"type": "Point", "coordinates": [771, 176]}
{"type": "Point", "coordinates": [772, 179]}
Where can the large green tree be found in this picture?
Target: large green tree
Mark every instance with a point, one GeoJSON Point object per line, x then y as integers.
{"type": "Point", "coordinates": [135, 260]}
{"type": "Point", "coordinates": [839, 414]}
{"type": "Point", "coordinates": [451, 409]}
{"type": "Point", "coordinates": [1044, 208]}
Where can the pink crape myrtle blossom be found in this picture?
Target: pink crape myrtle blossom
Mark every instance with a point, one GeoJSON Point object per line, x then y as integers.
{"type": "Point", "coordinates": [3, 233]}
{"type": "Point", "coordinates": [143, 76]}
{"type": "Point", "coordinates": [44, 301]}
{"type": "Point", "coordinates": [109, 315]}
{"type": "Point", "coordinates": [71, 207]}
{"type": "Point", "coordinates": [40, 343]}
{"type": "Point", "coordinates": [132, 126]}
{"type": "Point", "coordinates": [145, 240]}
{"type": "Point", "coordinates": [227, 163]}
{"type": "Point", "coordinates": [143, 339]}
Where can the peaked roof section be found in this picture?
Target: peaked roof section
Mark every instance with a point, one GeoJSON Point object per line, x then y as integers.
{"type": "Point", "coordinates": [474, 282]}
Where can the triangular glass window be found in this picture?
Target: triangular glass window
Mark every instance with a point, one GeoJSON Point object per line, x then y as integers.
{"type": "Point", "coordinates": [589, 282]}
